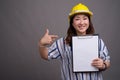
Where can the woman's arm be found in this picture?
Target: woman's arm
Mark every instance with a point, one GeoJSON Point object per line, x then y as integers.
{"type": "Point", "coordinates": [43, 51]}
{"type": "Point", "coordinates": [103, 62]}
{"type": "Point", "coordinates": [100, 64]}
{"type": "Point", "coordinates": [43, 42]}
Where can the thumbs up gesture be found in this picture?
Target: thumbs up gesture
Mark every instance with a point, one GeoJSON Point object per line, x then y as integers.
{"type": "Point", "coordinates": [47, 39]}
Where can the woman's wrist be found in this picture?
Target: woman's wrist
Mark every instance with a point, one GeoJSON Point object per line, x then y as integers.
{"type": "Point", "coordinates": [104, 67]}
{"type": "Point", "coordinates": [41, 44]}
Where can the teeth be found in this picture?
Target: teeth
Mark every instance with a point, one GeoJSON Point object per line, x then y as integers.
{"type": "Point", "coordinates": [81, 27]}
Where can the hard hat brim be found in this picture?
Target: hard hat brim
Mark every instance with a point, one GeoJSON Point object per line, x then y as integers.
{"type": "Point", "coordinates": [77, 12]}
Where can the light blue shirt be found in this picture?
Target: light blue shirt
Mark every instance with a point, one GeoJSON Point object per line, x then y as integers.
{"type": "Point", "coordinates": [60, 50]}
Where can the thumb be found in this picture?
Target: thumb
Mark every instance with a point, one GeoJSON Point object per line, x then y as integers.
{"type": "Point", "coordinates": [47, 32]}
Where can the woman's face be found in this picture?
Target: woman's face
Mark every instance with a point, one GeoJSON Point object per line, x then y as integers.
{"type": "Point", "coordinates": [81, 24]}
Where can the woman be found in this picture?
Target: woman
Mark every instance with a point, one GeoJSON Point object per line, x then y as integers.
{"type": "Point", "coordinates": [80, 24]}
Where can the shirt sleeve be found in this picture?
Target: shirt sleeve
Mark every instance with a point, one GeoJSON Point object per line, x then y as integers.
{"type": "Point", "coordinates": [104, 54]}
{"type": "Point", "coordinates": [55, 50]}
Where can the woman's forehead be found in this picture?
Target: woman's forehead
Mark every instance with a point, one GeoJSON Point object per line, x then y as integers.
{"type": "Point", "coordinates": [80, 15]}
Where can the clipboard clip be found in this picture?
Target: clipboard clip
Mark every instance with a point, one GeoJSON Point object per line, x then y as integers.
{"type": "Point", "coordinates": [85, 37]}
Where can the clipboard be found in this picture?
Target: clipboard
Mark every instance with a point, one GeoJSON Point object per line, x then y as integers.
{"type": "Point", "coordinates": [85, 49]}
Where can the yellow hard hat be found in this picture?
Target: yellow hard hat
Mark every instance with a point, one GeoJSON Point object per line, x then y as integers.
{"type": "Point", "coordinates": [80, 8]}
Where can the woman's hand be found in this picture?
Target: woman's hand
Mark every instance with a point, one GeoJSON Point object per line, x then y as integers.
{"type": "Point", "coordinates": [43, 42]}
{"type": "Point", "coordinates": [98, 63]}
{"type": "Point", "coordinates": [47, 39]}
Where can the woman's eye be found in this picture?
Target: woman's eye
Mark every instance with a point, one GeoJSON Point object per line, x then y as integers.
{"type": "Point", "coordinates": [84, 18]}
{"type": "Point", "coordinates": [76, 19]}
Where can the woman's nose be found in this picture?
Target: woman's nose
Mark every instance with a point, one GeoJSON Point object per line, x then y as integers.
{"type": "Point", "coordinates": [81, 22]}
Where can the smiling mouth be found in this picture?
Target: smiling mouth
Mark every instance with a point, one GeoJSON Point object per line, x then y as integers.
{"type": "Point", "coordinates": [81, 27]}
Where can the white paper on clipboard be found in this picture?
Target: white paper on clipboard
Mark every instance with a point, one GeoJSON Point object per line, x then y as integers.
{"type": "Point", "coordinates": [85, 49]}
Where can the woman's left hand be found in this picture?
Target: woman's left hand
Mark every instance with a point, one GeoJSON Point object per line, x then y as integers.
{"type": "Point", "coordinates": [98, 63]}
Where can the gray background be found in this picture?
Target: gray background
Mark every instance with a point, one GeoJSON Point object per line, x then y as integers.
{"type": "Point", "coordinates": [23, 22]}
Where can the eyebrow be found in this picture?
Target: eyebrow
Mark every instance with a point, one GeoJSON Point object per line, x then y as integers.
{"type": "Point", "coordinates": [82, 16]}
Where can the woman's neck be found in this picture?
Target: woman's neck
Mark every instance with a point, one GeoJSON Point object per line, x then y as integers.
{"type": "Point", "coordinates": [81, 34]}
